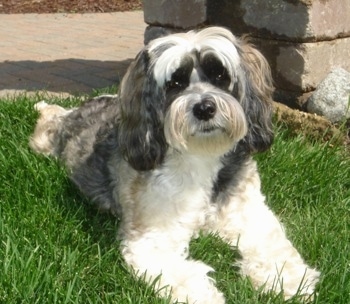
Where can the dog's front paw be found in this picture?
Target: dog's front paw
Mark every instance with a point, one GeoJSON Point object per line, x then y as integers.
{"type": "Point", "coordinates": [191, 285]}
{"type": "Point", "coordinates": [292, 277]}
{"type": "Point", "coordinates": [300, 282]}
{"type": "Point", "coordinates": [197, 290]}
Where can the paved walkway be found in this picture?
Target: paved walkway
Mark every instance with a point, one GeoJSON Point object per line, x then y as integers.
{"type": "Point", "coordinates": [67, 53]}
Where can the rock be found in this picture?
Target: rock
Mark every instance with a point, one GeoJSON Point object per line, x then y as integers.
{"type": "Point", "coordinates": [331, 99]}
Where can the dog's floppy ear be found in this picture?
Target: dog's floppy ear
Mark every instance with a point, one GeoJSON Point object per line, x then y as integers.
{"type": "Point", "coordinates": [141, 135]}
{"type": "Point", "coordinates": [256, 98]}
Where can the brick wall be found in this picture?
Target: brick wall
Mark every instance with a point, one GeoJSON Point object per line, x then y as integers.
{"type": "Point", "coordinates": [302, 39]}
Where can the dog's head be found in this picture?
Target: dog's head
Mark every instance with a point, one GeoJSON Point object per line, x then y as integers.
{"type": "Point", "coordinates": [200, 92]}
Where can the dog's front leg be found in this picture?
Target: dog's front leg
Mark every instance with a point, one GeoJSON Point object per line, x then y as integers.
{"type": "Point", "coordinates": [161, 257]}
{"type": "Point", "coordinates": [268, 257]}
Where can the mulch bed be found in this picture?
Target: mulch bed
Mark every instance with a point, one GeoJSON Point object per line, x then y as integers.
{"type": "Point", "coordinates": [67, 6]}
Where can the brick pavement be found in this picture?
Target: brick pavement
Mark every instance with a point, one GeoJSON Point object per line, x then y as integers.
{"type": "Point", "coordinates": [67, 53]}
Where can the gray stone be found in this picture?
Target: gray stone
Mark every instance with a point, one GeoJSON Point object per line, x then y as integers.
{"type": "Point", "coordinates": [291, 20]}
{"type": "Point", "coordinates": [183, 14]}
{"type": "Point", "coordinates": [332, 97]}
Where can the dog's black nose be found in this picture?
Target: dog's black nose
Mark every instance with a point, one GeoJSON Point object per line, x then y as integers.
{"type": "Point", "coordinates": [204, 110]}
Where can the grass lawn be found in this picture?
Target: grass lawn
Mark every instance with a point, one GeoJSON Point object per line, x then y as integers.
{"type": "Point", "coordinates": [56, 249]}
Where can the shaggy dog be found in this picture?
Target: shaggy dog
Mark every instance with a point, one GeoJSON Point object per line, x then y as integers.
{"type": "Point", "coordinates": [172, 156]}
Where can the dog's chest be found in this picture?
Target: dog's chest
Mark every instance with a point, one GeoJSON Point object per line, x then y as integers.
{"type": "Point", "coordinates": [186, 177]}
{"type": "Point", "coordinates": [179, 191]}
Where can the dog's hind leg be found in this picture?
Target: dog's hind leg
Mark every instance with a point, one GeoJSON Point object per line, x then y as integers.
{"type": "Point", "coordinates": [48, 123]}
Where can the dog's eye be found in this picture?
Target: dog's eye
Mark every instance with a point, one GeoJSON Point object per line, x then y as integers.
{"type": "Point", "coordinates": [219, 77]}
{"type": "Point", "coordinates": [215, 72]}
{"type": "Point", "coordinates": [173, 84]}
{"type": "Point", "coordinates": [179, 80]}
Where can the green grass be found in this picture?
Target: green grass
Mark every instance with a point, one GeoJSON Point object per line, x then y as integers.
{"type": "Point", "coordinates": [54, 248]}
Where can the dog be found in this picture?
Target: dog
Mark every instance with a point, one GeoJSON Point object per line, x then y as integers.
{"type": "Point", "coordinates": [171, 155]}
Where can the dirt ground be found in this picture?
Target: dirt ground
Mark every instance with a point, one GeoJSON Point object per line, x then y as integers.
{"type": "Point", "coordinates": [67, 6]}
{"type": "Point", "coordinates": [311, 125]}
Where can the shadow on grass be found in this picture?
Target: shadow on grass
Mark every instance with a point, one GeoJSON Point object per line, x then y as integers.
{"type": "Point", "coordinates": [101, 227]}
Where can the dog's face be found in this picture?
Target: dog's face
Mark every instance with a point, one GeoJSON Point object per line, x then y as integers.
{"type": "Point", "coordinates": [198, 92]}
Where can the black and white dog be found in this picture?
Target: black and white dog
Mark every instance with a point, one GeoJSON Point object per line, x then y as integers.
{"type": "Point", "coordinates": [171, 155]}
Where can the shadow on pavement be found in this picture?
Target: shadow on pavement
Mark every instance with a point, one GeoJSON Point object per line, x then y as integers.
{"type": "Point", "coordinates": [72, 76]}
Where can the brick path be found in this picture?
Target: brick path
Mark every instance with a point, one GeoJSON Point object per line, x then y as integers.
{"type": "Point", "coordinates": [63, 53]}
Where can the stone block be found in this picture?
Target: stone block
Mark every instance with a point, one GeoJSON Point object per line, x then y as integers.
{"type": "Point", "coordinates": [291, 20]}
{"type": "Point", "coordinates": [153, 32]}
{"type": "Point", "coordinates": [300, 67]}
{"type": "Point", "coordinates": [182, 14]}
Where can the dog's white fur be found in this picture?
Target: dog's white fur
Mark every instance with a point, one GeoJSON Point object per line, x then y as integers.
{"type": "Point", "coordinates": [173, 159]}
